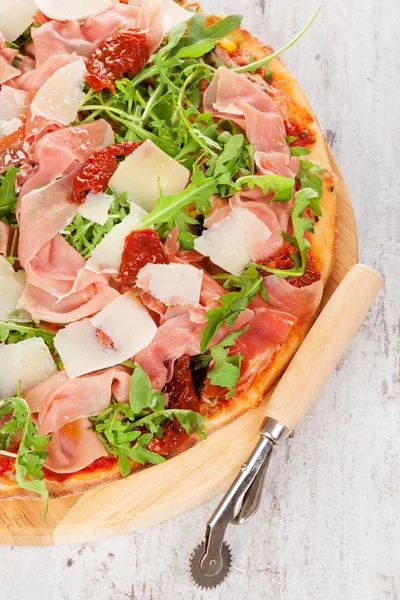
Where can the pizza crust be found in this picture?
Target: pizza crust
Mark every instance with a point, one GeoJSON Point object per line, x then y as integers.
{"type": "Point", "coordinates": [323, 245]}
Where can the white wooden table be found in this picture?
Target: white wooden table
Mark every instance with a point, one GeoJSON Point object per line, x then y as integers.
{"type": "Point", "coordinates": [329, 524]}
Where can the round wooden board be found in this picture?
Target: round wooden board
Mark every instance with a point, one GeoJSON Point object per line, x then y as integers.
{"type": "Point", "coordinates": [166, 490]}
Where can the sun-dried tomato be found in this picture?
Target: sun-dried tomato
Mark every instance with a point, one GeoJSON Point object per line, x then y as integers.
{"type": "Point", "coordinates": [98, 169]}
{"type": "Point", "coordinates": [126, 51]}
{"type": "Point", "coordinates": [283, 260]}
{"type": "Point", "coordinates": [181, 394]}
{"type": "Point", "coordinates": [141, 246]}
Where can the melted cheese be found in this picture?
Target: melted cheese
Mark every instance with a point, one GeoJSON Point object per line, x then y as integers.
{"type": "Point", "coordinates": [233, 242]}
{"type": "Point", "coordinates": [96, 207]}
{"type": "Point", "coordinates": [72, 9]}
{"type": "Point", "coordinates": [15, 17]}
{"type": "Point", "coordinates": [11, 285]}
{"type": "Point", "coordinates": [106, 257]}
{"type": "Point", "coordinates": [172, 284]}
{"type": "Point", "coordinates": [141, 173]}
{"type": "Point", "coordinates": [60, 98]}
{"type": "Point", "coordinates": [124, 321]}
{"type": "Point", "coordinates": [28, 361]}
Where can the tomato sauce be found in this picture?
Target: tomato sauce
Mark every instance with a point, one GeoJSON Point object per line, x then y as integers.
{"type": "Point", "coordinates": [98, 169]}
{"type": "Point", "coordinates": [141, 247]}
{"type": "Point", "coordinates": [104, 463]}
{"type": "Point", "coordinates": [124, 52]}
{"type": "Point", "coordinates": [283, 260]}
{"type": "Point", "coordinates": [181, 394]}
{"type": "Point", "coordinates": [6, 464]}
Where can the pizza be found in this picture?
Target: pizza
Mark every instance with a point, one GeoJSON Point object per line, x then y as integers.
{"type": "Point", "coordinates": [167, 226]}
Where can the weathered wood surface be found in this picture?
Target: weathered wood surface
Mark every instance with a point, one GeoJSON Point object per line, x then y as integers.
{"type": "Point", "coordinates": [329, 524]}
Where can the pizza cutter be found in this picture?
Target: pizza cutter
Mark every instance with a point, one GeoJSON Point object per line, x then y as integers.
{"type": "Point", "coordinates": [295, 394]}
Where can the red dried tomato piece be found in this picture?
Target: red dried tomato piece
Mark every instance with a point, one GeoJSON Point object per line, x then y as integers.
{"type": "Point", "coordinates": [283, 260]}
{"type": "Point", "coordinates": [141, 247]}
{"type": "Point", "coordinates": [98, 169]}
{"type": "Point", "coordinates": [181, 394]}
{"type": "Point", "coordinates": [126, 51]}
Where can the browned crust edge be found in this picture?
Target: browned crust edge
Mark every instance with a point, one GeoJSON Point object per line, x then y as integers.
{"type": "Point", "coordinates": [323, 244]}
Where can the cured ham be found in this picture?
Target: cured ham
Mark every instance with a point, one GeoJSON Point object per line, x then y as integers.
{"type": "Point", "coordinates": [73, 447]}
{"type": "Point", "coordinates": [33, 79]}
{"type": "Point", "coordinates": [7, 55]}
{"type": "Point", "coordinates": [43, 306]}
{"type": "Point", "coordinates": [268, 330]}
{"type": "Point", "coordinates": [299, 302]}
{"type": "Point", "coordinates": [177, 335]}
{"type": "Point", "coordinates": [235, 97]}
{"type": "Point", "coordinates": [57, 151]}
{"type": "Point", "coordinates": [63, 400]}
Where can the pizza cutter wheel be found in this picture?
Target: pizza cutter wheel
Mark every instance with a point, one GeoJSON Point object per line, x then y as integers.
{"type": "Point", "coordinates": [295, 394]}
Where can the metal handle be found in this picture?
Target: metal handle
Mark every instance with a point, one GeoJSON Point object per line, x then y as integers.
{"type": "Point", "coordinates": [242, 499]}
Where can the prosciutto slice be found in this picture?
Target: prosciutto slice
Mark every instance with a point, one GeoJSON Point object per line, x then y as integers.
{"type": "Point", "coordinates": [177, 335]}
{"type": "Point", "coordinates": [68, 400]}
{"type": "Point", "coordinates": [57, 151]}
{"type": "Point", "coordinates": [299, 302]}
{"type": "Point", "coordinates": [235, 97]}
{"type": "Point", "coordinates": [43, 306]}
{"type": "Point", "coordinates": [7, 55]}
{"type": "Point", "coordinates": [73, 447]}
{"type": "Point", "coordinates": [268, 330]}
{"type": "Point", "coordinates": [33, 79]}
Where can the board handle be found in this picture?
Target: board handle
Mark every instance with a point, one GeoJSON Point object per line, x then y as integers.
{"type": "Point", "coordinates": [321, 350]}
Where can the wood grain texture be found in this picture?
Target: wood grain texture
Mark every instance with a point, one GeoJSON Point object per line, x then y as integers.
{"type": "Point", "coordinates": [330, 512]}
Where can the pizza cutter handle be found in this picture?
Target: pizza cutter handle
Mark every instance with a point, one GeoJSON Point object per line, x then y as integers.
{"type": "Point", "coordinates": [320, 352]}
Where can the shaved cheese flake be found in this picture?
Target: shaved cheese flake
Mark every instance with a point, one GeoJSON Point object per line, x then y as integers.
{"type": "Point", "coordinates": [28, 361]}
{"type": "Point", "coordinates": [173, 14]}
{"type": "Point", "coordinates": [96, 207]}
{"type": "Point", "coordinates": [13, 103]}
{"type": "Point", "coordinates": [11, 285]}
{"type": "Point", "coordinates": [106, 257]}
{"type": "Point", "coordinates": [125, 322]}
{"type": "Point", "coordinates": [141, 173]}
{"type": "Point", "coordinates": [60, 98]}
{"type": "Point", "coordinates": [172, 284]}
{"type": "Point", "coordinates": [8, 127]}
{"type": "Point", "coordinates": [73, 10]}
{"type": "Point", "coordinates": [15, 17]}
{"type": "Point", "coordinates": [234, 241]}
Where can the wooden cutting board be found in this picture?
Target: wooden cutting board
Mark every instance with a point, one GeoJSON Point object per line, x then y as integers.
{"type": "Point", "coordinates": [169, 489]}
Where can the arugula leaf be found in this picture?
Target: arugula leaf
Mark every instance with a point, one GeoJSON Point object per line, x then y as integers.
{"type": "Point", "coordinates": [309, 176]}
{"type": "Point", "coordinates": [232, 303]}
{"type": "Point", "coordinates": [141, 393]}
{"type": "Point", "coordinates": [170, 208]}
{"type": "Point", "coordinates": [8, 197]}
{"type": "Point", "coordinates": [11, 332]}
{"type": "Point", "coordinates": [201, 39]}
{"type": "Point", "coordinates": [303, 199]}
{"type": "Point", "coordinates": [120, 426]}
{"type": "Point", "coordinates": [226, 369]}
{"type": "Point", "coordinates": [236, 159]}
{"type": "Point", "coordinates": [264, 62]}
{"type": "Point", "coordinates": [31, 453]}
{"type": "Point", "coordinates": [299, 151]}
{"type": "Point", "coordinates": [281, 186]}
{"type": "Point", "coordinates": [84, 235]}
